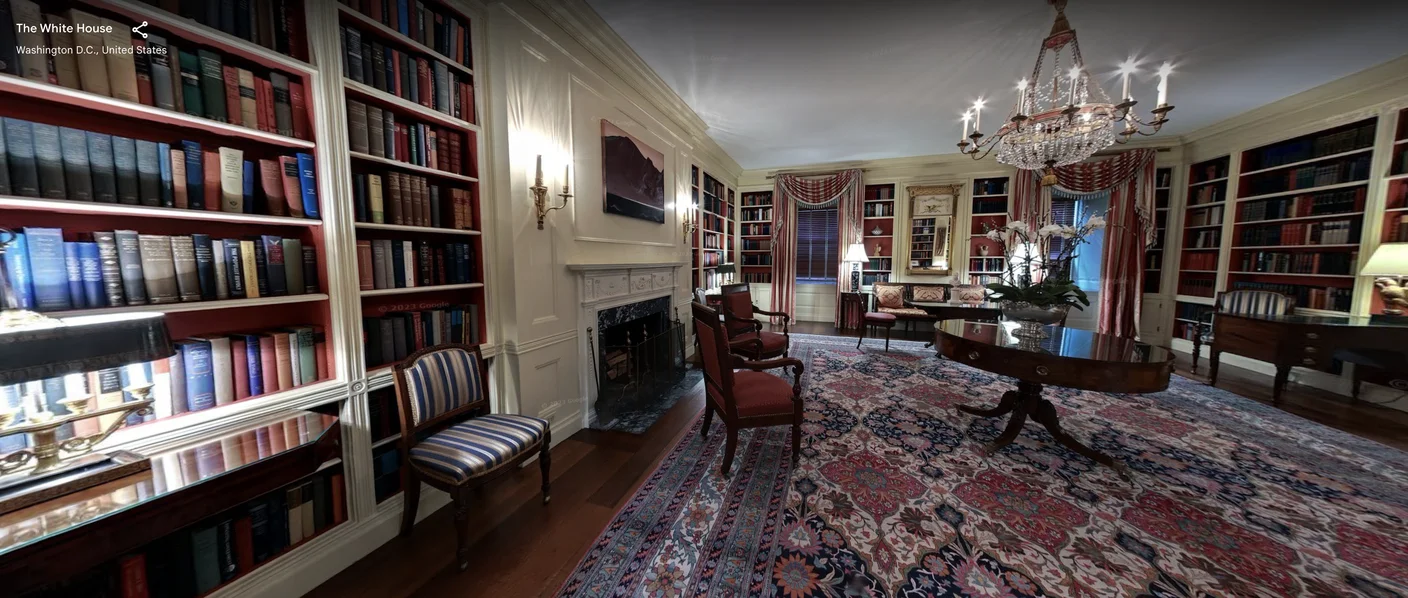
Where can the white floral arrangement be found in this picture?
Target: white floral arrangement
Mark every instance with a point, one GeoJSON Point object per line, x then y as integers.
{"type": "Point", "coordinates": [1032, 278]}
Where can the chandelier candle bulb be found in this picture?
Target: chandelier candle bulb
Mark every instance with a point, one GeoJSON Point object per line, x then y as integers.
{"type": "Point", "coordinates": [1164, 72]}
{"type": "Point", "coordinates": [966, 117]}
{"type": "Point", "coordinates": [1022, 96]}
{"type": "Point", "coordinates": [1075, 78]}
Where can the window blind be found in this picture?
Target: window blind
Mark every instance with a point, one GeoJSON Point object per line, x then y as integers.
{"type": "Point", "coordinates": [1063, 212]}
{"type": "Point", "coordinates": [818, 236]}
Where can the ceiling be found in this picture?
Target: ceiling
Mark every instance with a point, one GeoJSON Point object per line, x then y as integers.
{"type": "Point", "coordinates": [791, 82]}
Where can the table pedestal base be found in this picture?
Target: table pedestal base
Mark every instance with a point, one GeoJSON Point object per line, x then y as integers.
{"type": "Point", "coordinates": [1026, 402]}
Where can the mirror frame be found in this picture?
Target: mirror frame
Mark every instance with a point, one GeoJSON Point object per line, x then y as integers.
{"type": "Point", "coordinates": [952, 192]}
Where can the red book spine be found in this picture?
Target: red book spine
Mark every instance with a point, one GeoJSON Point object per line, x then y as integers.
{"type": "Point", "coordinates": [419, 330]}
{"type": "Point", "coordinates": [134, 576]}
{"type": "Point", "coordinates": [269, 365]}
{"type": "Point", "coordinates": [300, 111]}
{"type": "Point", "coordinates": [423, 80]}
{"type": "Point", "coordinates": [460, 54]}
{"type": "Point", "coordinates": [339, 498]}
{"type": "Point", "coordinates": [264, 100]}
{"type": "Point", "coordinates": [395, 59]}
{"type": "Point", "coordinates": [232, 95]}
{"type": "Point", "coordinates": [144, 78]}
{"type": "Point", "coordinates": [365, 280]}
{"type": "Point", "coordinates": [211, 162]}
{"type": "Point", "coordinates": [293, 193]}
{"type": "Point", "coordinates": [432, 154]}
{"type": "Point", "coordinates": [442, 151]}
{"type": "Point", "coordinates": [440, 266]}
{"type": "Point", "coordinates": [403, 142]}
{"type": "Point", "coordinates": [375, 11]}
{"type": "Point", "coordinates": [320, 355]}
{"type": "Point", "coordinates": [244, 545]}
{"type": "Point", "coordinates": [240, 365]}
{"type": "Point", "coordinates": [456, 159]}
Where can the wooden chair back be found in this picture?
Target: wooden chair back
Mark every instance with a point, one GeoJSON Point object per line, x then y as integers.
{"type": "Point", "coordinates": [738, 300]}
{"type": "Point", "coordinates": [437, 386]}
{"type": "Point", "coordinates": [717, 359]}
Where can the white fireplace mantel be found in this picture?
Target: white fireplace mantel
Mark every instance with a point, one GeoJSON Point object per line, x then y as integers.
{"type": "Point", "coordinates": [619, 283]}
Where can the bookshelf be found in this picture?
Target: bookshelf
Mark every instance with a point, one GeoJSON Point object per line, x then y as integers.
{"type": "Point", "coordinates": [714, 216]}
{"type": "Point", "coordinates": [755, 237]}
{"type": "Point", "coordinates": [1154, 256]}
{"type": "Point", "coordinates": [308, 116]}
{"type": "Point", "coordinates": [1321, 179]}
{"type": "Point", "coordinates": [1202, 228]}
{"type": "Point", "coordinates": [990, 209]}
{"type": "Point", "coordinates": [1395, 224]}
{"type": "Point", "coordinates": [878, 233]}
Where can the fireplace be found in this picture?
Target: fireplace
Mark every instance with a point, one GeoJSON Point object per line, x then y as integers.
{"type": "Point", "coordinates": [639, 352]}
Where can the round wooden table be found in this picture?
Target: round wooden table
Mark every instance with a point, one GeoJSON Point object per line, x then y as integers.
{"type": "Point", "coordinates": [1070, 358]}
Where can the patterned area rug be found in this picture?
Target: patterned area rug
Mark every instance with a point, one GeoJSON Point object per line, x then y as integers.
{"type": "Point", "coordinates": [893, 498]}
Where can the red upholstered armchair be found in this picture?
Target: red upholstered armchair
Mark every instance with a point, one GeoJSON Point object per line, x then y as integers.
{"type": "Point", "coordinates": [749, 398]}
{"type": "Point", "coordinates": [745, 332]}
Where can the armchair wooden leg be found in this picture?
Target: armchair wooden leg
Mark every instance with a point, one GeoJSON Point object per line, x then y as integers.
{"type": "Point", "coordinates": [887, 339]}
{"type": "Point", "coordinates": [729, 446]}
{"type": "Point", "coordinates": [1197, 348]}
{"type": "Point", "coordinates": [461, 499]}
{"type": "Point", "coordinates": [708, 419]}
{"type": "Point", "coordinates": [545, 463]}
{"type": "Point", "coordinates": [410, 486]}
{"type": "Point", "coordinates": [862, 335]}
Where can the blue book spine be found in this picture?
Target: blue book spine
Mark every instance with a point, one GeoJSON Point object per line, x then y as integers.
{"type": "Point", "coordinates": [200, 374]}
{"type": "Point", "coordinates": [17, 265]}
{"type": "Point", "coordinates": [249, 170]}
{"type": "Point", "coordinates": [235, 268]}
{"type": "Point", "coordinates": [403, 16]}
{"type": "Point", "coordinates": [205, 265]}
{"type": "Point", "coordinates": [308, 183]}
{"type": "Point", "coordinates": [168, 187]}
{"type": "Point", "coordinates": [90, 265]}
{"type": "Point", "coordinates": [47, 267]}
{"type": "Point", "coordinates": [73, 268]}
{"type": "Point", "coordinates": [195, 176]}
{"type": "Point", "coordinates": [254, 363]}
{"type": "Point", "coordinates": [398, 265]}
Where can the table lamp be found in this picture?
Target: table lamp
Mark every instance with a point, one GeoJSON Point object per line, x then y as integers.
{"type": "Point", "coordinates": [36, 347]}
{"type": "Point", "coordinates": [726, 271]}
{"type": "Point", "coordinates": [1389, 265]}
{"type": "Point", "coordinates": [855, 255]}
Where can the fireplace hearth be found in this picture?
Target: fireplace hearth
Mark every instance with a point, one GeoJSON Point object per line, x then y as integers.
{"type": "Point", "coordinates": [638, 357]}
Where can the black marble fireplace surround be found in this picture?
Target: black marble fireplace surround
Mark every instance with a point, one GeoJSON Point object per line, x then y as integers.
{"type": "Point", "coordinates": [633, 405]}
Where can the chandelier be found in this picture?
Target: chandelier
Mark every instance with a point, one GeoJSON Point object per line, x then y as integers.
{"type": "Point", "coordinates": [1061, 116]}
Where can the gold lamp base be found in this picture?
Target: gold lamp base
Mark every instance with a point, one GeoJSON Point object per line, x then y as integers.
{"type": "Point", "coordinates": [23, 489]}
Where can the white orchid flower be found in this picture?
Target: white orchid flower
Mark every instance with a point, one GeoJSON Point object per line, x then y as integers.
{"type": "Point", "coordinates": [995, 234]}
{"type": "Point", "coordinates": [1018, 226]}
{"type": "Point", "coordinates": [1048, 230]}
{"type": "Point", "coordinates": [1096, 222]}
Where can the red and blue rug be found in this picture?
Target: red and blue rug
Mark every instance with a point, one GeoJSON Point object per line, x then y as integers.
{"type": "Point", "coordinates": [894, 498]}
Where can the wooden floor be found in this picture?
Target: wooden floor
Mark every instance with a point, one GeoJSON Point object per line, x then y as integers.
{"type": "Point", "coordinates": [522, 548]}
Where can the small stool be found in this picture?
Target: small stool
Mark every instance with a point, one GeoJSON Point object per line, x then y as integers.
{"type": "Point", "coordinates": [875, 318]}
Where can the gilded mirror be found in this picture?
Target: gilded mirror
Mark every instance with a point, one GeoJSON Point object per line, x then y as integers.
{"type": "Point", "coordinates": [930, 226]}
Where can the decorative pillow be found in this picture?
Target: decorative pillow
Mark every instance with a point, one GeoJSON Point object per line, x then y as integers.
{"type": "Point", "coordinates": [928, 293]}
{"type": "Point", "coordinates": [972, 294]}
{"type": "Point", "coordinates": [889, 295]}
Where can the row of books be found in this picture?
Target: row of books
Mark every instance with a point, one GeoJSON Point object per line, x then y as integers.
{"type": "Point", "coordinates": [881, 192]}
{"type": "Point", "coordinates": [121, 268]}
{"type": "Point", "coordinates": [1309, 148]}
{"type": "Point", "coordinates": [871, 210]}
{"type": "Point", "coordinates": [990, 206]}
{"type": "Point", "coordinates": [765, 213]}
{"type": "Point", "coordinates": [1283, 262]}
{"type": "Point", "coordinates": [1333, 232]}
{"type": "Point", "coordinates": [410, 200]}
{"type": "Point", "coordinates": [713, 223]}
{"type": "Point", "coordinates": [1311, 297]}
{"type": "Point", "coordinates": [1303, 177]}
{"type": "Point", "coordinates": [1210, 170]}
{"type": "Point", "coordinates": [440, 30]}
{"type": "Point", "coordinates": [979, 279]}
{"type": "Point", "coordinates": [1191, 311]}
{"type": "Point", "coordinates": [1205, 217]}
{"type": "Point", "coordinates": [387, 264]}
{"type": "Point", "coordinates": [1398, 229]}
{"type": "Point", "coordinates": [880, 263]}
{"type": "Point", "coordinates": [391, 337]}
{"type": "Point", "coordinates": [374, 131]}
{"type": "Point", "coordinates": [757, 230]}
{"type": "Point", "coordinates": [383, 414]}
{"type": "Point", "coordinates": [712, 279]}
{"type": "Point", "coordinates": [1400, 161]}
{"type": "Point", "coordinates": [757, 244]}
{"type": "Point", "coordinates": [44, 160]}
{"type": "Point", "coordinates": [711, 239]}
{"type": "Point", "coordinates": [197, 560]}
{"type": "Point", "coordinates": [1163, 179]}
{"type": "Point", "coordinates": [1153, 260]}
{"type": "Point", "coordinates": [273, 24]}
{"type": "Point", "coordinates": [153, 71]}
{"type": "Point", "coordinates": [386, 471]}
{"type": "Point", "coordinates": [716, 206]}
{"type": "Point", "coordinates": [1204, 239]}
{"type": "Point", "coordinates": [1207, 194]}
{"type": "Point", "coordinates": [987, 264]}
{"type": "Point", "coordinates": [1338, 201]}
{"type": "Point", "coordinates": [1197, 287]}
{"type": "Point", "coordinates": [990, 186]}
{"type": "Point", "coordinates": [759, 199]}
{"type": "Point", "coordinates": [1204, 260]}
{"type": "Point", "coordinates": [757, 259]}
{"type": "Point", "coordinates": [713, 258]}
{"type": "Point", "coordinates": [765, 277]}
{"type": "Point", "coordinates": [428, 82]}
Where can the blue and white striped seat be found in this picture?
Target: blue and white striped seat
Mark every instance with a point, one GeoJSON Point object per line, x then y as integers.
{"type": "Point", "coordinates": [1253, 303]}
{"type": "Point", "coordinates": [477, 446]}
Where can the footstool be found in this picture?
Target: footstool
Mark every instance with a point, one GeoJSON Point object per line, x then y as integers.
{"type": "Point", "coordinates": [875, 318]}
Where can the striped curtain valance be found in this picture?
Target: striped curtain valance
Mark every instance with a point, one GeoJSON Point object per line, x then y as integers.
{"type": "Point", "coordinates": [842, 190]}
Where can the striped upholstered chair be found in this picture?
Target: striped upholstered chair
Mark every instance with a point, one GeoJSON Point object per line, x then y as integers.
{"type": "Point", "coordinates": [1247, 303]}
{"type": "Point", "coordinates": [437, 389]}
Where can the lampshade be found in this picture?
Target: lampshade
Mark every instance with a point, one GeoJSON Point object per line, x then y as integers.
{"type": "Point", "coordinates": [81, 344]}
{"type": "Point", "coordinates": [727, 269]}
{"type": "Point", "coordinates": [1390, 259]}
{"type": "Point", "coordinates": [856, 253]}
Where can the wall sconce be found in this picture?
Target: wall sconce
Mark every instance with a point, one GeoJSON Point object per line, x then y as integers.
{"type": "Point", "coordinates": [540, 192]}
{"type": "Point", "coordinates": [688, 226]}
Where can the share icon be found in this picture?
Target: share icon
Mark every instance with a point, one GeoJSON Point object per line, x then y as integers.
{"type": "Point", "coordinates": [138, 30]}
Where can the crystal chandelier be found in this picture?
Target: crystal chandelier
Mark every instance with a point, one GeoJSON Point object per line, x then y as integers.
{"type": "Point", "coordinates": [1062, 116]}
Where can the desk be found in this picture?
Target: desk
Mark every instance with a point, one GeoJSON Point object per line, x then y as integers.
{"type": "Point", "coordinates": [1069, 357]}
{"type": "Point", "coordinates": [1300, 341]}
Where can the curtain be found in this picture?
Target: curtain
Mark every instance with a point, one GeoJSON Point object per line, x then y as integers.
{"type": "Point", "coordinates": [1129, 178]}
{"type": "Point", "coordinates": [790, 193]}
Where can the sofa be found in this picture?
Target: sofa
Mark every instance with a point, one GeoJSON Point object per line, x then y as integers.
{"type": "Point", "coordinates": [890, 298]}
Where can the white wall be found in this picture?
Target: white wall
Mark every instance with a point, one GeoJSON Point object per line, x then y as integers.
{"type": "Point", "coordinates": [548, 95]}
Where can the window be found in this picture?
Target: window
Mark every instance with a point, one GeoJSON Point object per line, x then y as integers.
{"type": "Point", "coordinates": [1085, 271]}
{"type": "Point", "coordinates": [818, 236]}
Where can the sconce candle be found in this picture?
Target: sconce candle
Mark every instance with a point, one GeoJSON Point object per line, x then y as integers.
{"type": "Point", "coordinates": [540, 193]}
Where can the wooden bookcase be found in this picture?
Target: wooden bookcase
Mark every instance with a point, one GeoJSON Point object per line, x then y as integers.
{"type": "Point", "coordinates": [1203, 217]}
{"type": "Point", "coordinates": [990, 209]}
{"type": "Point", "coordinates": [314, 61]}
{"type": "Point", "coordinates": [1299, 216]}
{"type": "Point", "coordinates": [755, 236]}
{"type": "Point", "coordinates": [878, 230]}
{"type": "Point", "coordinates": [1395, 225]}
{"type": "Point", "coordinates": [1154, 255]}
{"type": "Point", "coordinates": [713, 214]}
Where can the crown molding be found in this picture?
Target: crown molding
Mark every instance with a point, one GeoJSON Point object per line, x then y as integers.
{"type": "Point", "coordinates": [586, 27]}
{"type": "Point", "coordinates": [1387, 79]}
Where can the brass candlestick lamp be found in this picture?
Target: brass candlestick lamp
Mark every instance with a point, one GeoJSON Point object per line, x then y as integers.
{"type": "Point", "coordinates": [34, 347]}
{"type": "Point", "coordinates": [540, 192]}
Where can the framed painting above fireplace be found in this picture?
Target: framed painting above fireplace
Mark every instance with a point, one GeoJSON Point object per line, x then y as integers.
{"type": "Point", "coordinates": [633, 176]}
